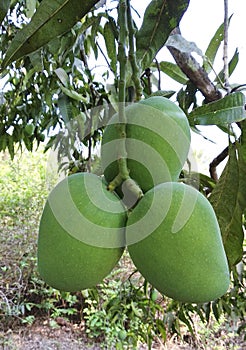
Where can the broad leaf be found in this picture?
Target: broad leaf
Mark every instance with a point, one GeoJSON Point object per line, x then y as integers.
{"type": "Point", "coordinates": [160, 18]}
{"type": "Point", "coordinates": [51, 19]}
{"type": "Point", "coordinates": [227, 110]}
{"type": "Point", "coordinates": [4, 6]}
{"type": "Point", "coordinates": [229, 202]}
{"type": "Point", "coordinates": [173, 71]}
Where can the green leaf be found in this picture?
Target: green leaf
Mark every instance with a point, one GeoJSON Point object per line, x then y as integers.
{"type": "Point", "coordinates": [173, 71]}
{"type": "Point", "coordinates": [160, 18]}
{"type": "Point", "coordinates": [37, 60]}
{"type": "Point", "coordinates": [109, 38]}
{"type": "Point", "coordinates": [232, 65]}
{"type": "Point", "coordinates": [229, 202]}
{"type": "Point", "coordinates": [4, 6]}
{"type": "Point", "coordinates": [213, 48]}
{"type": "Point", "coordinates": [163, 93]}
{"type": "Point", "coordinates": [73, 94]}
{"type": "Point", "coordinates": [51, 19]}
{"type": "Point", "coordinates": [186, 97]}
{"type": "Point", "coordinates": [65, 108]}
{"type": "Point", "coordinates": [227, 110]}
{"type": "Point", "coordinates": [63, 76]}
{"type": "Point", "coordinates": [30, 8]}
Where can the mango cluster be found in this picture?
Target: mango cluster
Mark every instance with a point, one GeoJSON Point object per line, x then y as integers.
{"type": "Point", "coordinates": [172, 233]}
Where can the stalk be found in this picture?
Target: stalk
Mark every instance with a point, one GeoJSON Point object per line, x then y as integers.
{"type": "Point", "coordinates": [123, 174]}
{"type": "Point", "coordinates": [132, 54]}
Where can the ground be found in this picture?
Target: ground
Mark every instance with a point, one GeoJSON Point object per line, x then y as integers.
{"type": "Point", "coordinates": [71, 336]}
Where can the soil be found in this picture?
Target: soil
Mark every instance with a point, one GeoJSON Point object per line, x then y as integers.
{"type": "Point", "coordinates": [67, 336]}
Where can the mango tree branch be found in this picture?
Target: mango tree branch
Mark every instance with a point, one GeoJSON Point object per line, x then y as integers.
{"type": "Point", "coordinates": [195, 72]}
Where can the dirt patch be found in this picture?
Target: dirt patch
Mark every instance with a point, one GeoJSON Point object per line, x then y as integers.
{"type": "Point", "coordinates": [68, 336]}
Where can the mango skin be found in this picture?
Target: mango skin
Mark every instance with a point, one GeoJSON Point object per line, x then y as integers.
{"type": "Point", "coordinates": [64, 261]}
{"type": "Point", "coordinates": [157, 144]}
{"type": "Point", "coordinates": [183, 257]}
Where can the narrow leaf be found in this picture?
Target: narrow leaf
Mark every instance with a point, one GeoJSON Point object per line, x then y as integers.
{"type": "Point", "coordinates": [163, 93]}
{"type": "Point", "coordinates": [51, 19]}
{"type": "Point", "coordinates": [63, 76]}
{"type": "Point", "coordinates": [109, 38]}
{"type": "Point", "coordinates": [72, 94]}
{"type": "Point", "coordinates": [229, 202]}
{"type": "Point", "coordinates": [65, 108]}
{"type": "Point", "coordinates": [213, 48]}
{"type": "Point", "coordinates": [4, 6]}
{"type": "Point", "coordinates": [232, 65]}
{"type": "Point", "coordinates": [160, 18]}
{"type": "Point", "coordinates": [173, 71]}
{"type": "Point", "coordinates": [227, 110]}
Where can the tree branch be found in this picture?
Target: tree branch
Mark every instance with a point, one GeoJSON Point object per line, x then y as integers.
{"type": "Point", "coordinates": [195, 72]}
{"type": "Point", "coordinates": [219, 159]}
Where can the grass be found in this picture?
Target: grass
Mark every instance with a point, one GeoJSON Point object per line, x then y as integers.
{"type": "Point", "coordinates": [147, 317]}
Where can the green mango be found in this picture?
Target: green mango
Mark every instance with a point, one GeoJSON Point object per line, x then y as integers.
{"type": "Point", "coordinates": [157, 143]}
{"type": "Point", "coordinates": [174, 240]}
{"type": "Point", "coordinates": [81, 233]}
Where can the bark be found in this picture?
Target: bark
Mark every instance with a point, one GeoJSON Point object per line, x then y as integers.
{"type": "Point", "coordinates": [195, 72]}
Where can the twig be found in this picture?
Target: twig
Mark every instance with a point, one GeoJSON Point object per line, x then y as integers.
{"type": "Point", "coordinates": [159, 74]}
{"type": "Point", "coordinates": [219, 159]}
{"type": "Point", "coordinates": [225, 48]}
{"type": "Point", "coordinates": [132, 54]}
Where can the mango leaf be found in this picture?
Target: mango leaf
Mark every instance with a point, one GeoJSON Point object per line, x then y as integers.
{"type": "Point", "coordinates": [227, 110]}
{"type": "Point", "coordinates": [213, 48]}
{"type": "Point", "coordinates": [229, 202]}
{"type": "Point", "coordinates": [109, 38]}
{"type": "Point", "coordinates": [173, 71]}
{"type": "Point", "coordinates": [30, 8]}
{"type": "Point", "coordinates": [63, 76]}
{"type": "Point", "coordinates": [36, 59]}
{"type": "Point", "coordinates": [65, 108]}
{"type": "Point", "coordinates": [163, 93]}
{"type": "Point", "coordinates": [72, 94]}
{"type": "Point", "coordinates": [51, 19]}
{"type": "Point", "coordinates": [232, 65]}
{"type": "Point", "coordinates": [4, 6]}
{"type": "Point", "coordinates": [187, 96]}
{"type": "Point", "coordinates": [160, 18]}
